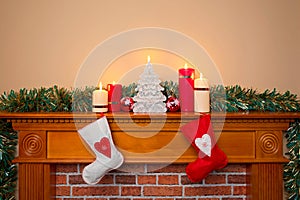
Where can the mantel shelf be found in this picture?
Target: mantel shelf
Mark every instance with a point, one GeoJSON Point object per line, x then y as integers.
{"type": "Point", "coordinates": [255, 139]}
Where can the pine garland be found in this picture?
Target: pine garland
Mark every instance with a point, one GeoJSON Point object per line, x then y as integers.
{"type": "Point", "coordinates": [51, 99]}
{"type": "Point", "coordinates": [129, 91]}
{"type": "Point", "coordinates": [247, 99]}
{"type": "Point", "coordinates": [230, 99]}
{"type": "Point", "coordinates": [82, 99]}
{"type": "Point", "coordinates": [292, 169]}
{"type": "Point", "coordinates": [8, 171]}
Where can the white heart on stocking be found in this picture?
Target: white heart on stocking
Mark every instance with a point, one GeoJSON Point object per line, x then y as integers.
{"type": "Point", "coordinates": [204, 144]}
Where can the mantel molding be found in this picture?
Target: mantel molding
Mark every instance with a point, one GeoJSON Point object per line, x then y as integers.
{"type": "Point", "coordinates": [65, 117]}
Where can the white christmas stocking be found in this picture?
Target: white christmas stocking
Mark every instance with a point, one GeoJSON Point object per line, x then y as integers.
{"type": "Point", "coordinates": [98, 137]}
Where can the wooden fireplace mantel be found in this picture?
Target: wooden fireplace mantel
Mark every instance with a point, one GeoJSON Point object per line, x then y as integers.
{"type": "Point", "coordinates": [48, 138]}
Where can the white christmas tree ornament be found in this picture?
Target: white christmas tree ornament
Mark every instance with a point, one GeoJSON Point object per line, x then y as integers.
{"type": "Point", "coordinates": [149, 98]}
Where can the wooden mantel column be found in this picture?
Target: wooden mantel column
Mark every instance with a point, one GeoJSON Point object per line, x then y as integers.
{"type": "Point", "coordinates": [251, 138]}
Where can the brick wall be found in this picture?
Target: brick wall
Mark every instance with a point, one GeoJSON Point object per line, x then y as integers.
{"type": "Point", "coordinates": [168, 183]}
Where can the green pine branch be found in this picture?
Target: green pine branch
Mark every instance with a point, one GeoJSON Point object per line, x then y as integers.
{"type": "Point", "coordinates": [291, 174]}
{"type": "Point", "coordinates": [53, 99]}
{"type": "Point", "coordinates": [170, 89]}
{"type": "Point", "coordinates": [130, 90]}
{"type": "Point", "coordinates": [8, 171]}
{"type": "Point", "coordinates": [82, 99]}
{"type": "Point", "coordinates": [235, 98]}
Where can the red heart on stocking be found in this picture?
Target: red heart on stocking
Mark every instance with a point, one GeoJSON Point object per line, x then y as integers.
{"type": "Point", "coordinates": [103, 147]}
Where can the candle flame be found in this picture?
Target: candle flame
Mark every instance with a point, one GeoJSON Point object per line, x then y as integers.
{"type": "Point", "coordinates": [201, 76]}
{"type": "Point", "coordinates": [100, 86]}
{"type": "Point", "coordinates": [148, 58]}
{"type": "Point", "coordinates": [114, 82]}
{"type": "Point", "coordinates": [185, 66]}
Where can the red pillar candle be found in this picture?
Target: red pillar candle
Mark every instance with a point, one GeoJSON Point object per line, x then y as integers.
{"type": "Point", "coordinates": [114, 97]}
{"type": "Point", "coordinates": [186, 89]}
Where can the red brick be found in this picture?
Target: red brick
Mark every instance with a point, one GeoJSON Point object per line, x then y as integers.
{"type": "Point", "coordinates": [125, 179]}
{"type": "Point", "coordinates": [168, 179]}
{"type": "Point", "coordinates": [185, 198]}
{"type": "Point", "coordinates": [215, 179]}
{"type": "Point", "coordinates": [66, 168]}
{"type": "Point", "coordinates": [63, 190]}
{"type": "Point", "coordinates": [236, 178]}
{"type": "Point", "coordinates": [160, 168]}
{"type": "Point", "coordinates": [75, 198]}
{"type": "Point", "coordinates": [167, 176]}
{"type": "Point", "coordinates": [233, 168]}
{"type": "Point", "coordinates": [205, 190]}
{"type": "Point", "coordinates": [146, 179]}
{"type": "Point", "coordinates": [131, 191]}
{"type": "Point", "coordinates": [94, 190]}
{"type": "Point", "coordinates": [162, 191]}
{"type": "Point", "coordinates": [232, 198]}
{"type": "Point", "coordinates": [186, 181]}
{"type": "Point", "coordinates": [239, 190]}
{"type": "Point", "coordinates": [209, 198]}
{"type": "Point", "coordinates": [76, 179]}
{"type": "Point", "coordinates": [81, 167]}
{"type": "Point", "coordinates": [164, 199]}
{"type": "Point", "coordinates": [107, 179]}
{"type": "Point", "coordinates": [119, 199]}
{"type": "Point", "coordinates": [142, 199]}
{"type": "Point", "coordinates": [131, 168]}
{"type": "Point", "coordinates": [60, 179]}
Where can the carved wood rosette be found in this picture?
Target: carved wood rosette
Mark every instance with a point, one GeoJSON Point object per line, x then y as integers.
{"type": "Point", "coordinates": [269, 144]}
{"type": "Point", "coordinates": [32, 144]}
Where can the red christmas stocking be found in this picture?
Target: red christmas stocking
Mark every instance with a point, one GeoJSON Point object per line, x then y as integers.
{"type": "Point", "coordinates": [210, 157]}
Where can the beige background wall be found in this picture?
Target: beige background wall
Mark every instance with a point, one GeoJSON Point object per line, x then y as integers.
{"type": "Point", "coordinates": [253, 43]}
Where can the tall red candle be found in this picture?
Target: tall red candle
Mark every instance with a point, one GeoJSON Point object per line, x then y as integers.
{"type": "Point", "coordinates": [114, 97]}
{"type": "Point", "coordinates": [186, 89]}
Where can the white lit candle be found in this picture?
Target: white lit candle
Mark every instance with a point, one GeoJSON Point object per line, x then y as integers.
{"type": "Point", "coordinates": [100, 100]}
{"type": "Point", "coordinates": [201, 95]}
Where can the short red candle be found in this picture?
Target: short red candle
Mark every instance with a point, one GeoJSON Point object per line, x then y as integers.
{"type": "Point", "coordinates": [186, 89]}
{"type": "Point", "coordinates": [114, 97]}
